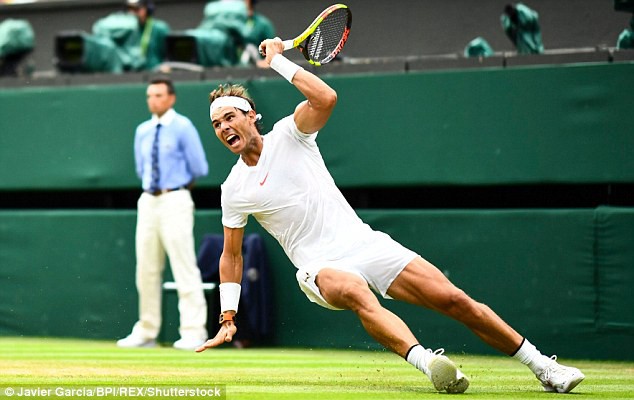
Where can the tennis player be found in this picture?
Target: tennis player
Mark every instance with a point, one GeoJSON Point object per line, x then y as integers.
{"type": "Point", "coordinates": [281, 180]}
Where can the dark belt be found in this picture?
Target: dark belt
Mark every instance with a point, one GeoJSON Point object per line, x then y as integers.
{"type": "Point", "coordinates": [163, 191]}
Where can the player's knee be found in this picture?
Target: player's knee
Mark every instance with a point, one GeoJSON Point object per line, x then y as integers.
{"type": "Point", "coordinates": [458, 304]}
{"type": "Point", "coordinates": [349, 295]}
{"type": "Point", "coordinates": [358, 296]}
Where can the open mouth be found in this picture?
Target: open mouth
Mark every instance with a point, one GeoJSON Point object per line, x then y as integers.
{"type": "Point", "coordinates": [232, 139]}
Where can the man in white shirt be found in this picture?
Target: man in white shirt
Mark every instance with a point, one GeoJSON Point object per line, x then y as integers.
{"type": "Point", "coordinates": [281, 179]}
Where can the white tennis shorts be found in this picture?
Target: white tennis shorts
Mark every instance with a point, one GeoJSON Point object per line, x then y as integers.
{"type": "Point", "coordinates": [378, 260]}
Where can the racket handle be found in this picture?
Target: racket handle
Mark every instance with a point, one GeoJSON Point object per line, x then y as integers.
{"type": "Point", "coordinates": [288, 44]}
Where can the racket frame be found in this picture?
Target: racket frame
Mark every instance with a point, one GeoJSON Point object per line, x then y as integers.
{"type": "Point", "coordinates": [293, 43]}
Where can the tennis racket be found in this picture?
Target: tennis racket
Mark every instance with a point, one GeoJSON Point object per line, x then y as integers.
{"type": "Point", "coordinates": [325, 37]}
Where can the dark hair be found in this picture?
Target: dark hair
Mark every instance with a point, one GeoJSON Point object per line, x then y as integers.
{"type": "Point", "coordinates": [511, 11]}
{"type": "Point", "coordinates": [148, 4]}
{"type": "Point", "coordinates": [231, 90]}
{"type": "Point", "coordinates": [166, 81]}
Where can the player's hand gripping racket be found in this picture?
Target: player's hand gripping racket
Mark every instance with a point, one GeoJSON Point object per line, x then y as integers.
{"type": "Point", "coordinates": [325, 37]}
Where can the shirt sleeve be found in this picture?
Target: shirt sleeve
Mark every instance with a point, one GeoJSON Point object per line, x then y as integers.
{"type": "Point", "coordinates": [138, 159]}
{"type": "Point", "coordinates": [231, 218]}
{"type": "Point", "coordinates": [288, 126]}
{"type": "Point", "coordinates": [194, 152]}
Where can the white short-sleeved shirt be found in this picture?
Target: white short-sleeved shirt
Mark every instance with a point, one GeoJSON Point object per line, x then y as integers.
{"type": "Point", "coordinates": [293, 196]}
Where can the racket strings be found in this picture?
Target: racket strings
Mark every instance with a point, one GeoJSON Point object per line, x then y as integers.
{"type": "Point", "coordinates": [327, 37]}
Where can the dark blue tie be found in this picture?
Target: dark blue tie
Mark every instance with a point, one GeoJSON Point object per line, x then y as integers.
{"type": "Point", "coordinates": [156, 173]}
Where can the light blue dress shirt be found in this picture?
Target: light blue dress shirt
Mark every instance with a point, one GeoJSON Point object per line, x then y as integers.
{"type": "Point", "coordinates": [181, 154]}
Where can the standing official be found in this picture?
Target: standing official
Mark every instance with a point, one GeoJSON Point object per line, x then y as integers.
{"type": "Point", "coordinates": [150, 37]}
{"type": "Point", "coordinates": [169, 157]}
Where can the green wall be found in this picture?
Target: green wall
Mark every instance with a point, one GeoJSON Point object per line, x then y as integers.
{"type": "Point", "coordinates": [561, 277]}
{"type": "Point", "coordinates": [548, 124]}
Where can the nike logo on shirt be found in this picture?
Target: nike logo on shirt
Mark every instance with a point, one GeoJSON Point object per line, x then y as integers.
{"type": "Point", "coordinates": [264, 180]}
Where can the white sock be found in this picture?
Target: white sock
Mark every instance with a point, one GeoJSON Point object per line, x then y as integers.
{"type": "Point", "coordinates": [418, 357]}
{"type": "Point", "coordinates": [529, 355]}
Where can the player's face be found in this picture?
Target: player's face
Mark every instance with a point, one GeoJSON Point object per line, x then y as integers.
{"type": "Point", "coordinates": [158, 99]}
{"type": "Point", "coordinates": [233, 128]}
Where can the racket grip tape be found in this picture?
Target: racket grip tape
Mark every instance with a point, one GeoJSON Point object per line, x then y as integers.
{"type": "Point", "coordinates": [288, 44]}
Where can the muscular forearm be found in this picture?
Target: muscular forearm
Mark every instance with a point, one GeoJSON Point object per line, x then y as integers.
{"type": "Point", "coordinates": [230, 268]}
{"type": "Point", "coordinates": [311, 115]}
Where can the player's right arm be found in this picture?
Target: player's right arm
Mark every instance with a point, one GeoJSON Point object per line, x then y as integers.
{"type": "Point", "coordinates": [230, 272]}
{"type": "Point", "coordinates": [231, 257]}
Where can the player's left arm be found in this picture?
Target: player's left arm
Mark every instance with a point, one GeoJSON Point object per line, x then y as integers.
{"type": "Point", "coordinates": [312, 114]}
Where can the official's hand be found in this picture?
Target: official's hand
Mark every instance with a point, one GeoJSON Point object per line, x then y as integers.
{"type": "Point", "coordinates": [271, 47]}
{"type": "Point", "coordinates": [224, 335]}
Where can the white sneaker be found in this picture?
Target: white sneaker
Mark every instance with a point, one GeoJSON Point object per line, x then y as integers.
{"type": "Point", "coordinates": [188, 343]}
{"type": "Point", "coordinates": [559, 378]}
{"type": "Point", "coordinates": [132, 341]}
{"type": "Point", "coordinates": [444, 374]}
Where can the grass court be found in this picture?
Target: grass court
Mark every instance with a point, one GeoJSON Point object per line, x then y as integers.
{"type": "Point", "coordinates": [281, 373]}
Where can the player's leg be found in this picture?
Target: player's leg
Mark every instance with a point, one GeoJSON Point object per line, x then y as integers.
{"type": "Point", "coordinates": [421, 283]}
{"type": "Point", "coordinates": [350, 292]}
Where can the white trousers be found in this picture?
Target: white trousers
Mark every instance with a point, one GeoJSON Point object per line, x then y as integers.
{"type": "Point", "coordinates": [165, 224]}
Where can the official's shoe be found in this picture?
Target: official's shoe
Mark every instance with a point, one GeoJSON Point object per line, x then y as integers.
{"type": "Point", "coordinates": [132, 341]}
{"type": "Point", "coordinates": [444, 374]}
{"type": "Point", "coordinates": [188, 343]}
{"type": "Point", "coordinates": [559, 378]}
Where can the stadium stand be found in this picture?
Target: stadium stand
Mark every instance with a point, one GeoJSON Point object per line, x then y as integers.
{"type": "Point", "coordinates": [431, 34]}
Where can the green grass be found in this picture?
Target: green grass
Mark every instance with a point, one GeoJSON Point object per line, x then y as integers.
{"type": "Point", "coordinates": [282, 373]}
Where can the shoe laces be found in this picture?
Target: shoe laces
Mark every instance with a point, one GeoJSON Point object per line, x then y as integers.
{"type": "Point", "coordinates": [430, 355]}
{"type": "Point", "coordinates": [552, 368]}
{"type": "Point", "coordinates": [437, 352]}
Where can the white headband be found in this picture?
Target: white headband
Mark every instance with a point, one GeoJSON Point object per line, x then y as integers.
{"type": "Point", "coordinates": [231, 101]}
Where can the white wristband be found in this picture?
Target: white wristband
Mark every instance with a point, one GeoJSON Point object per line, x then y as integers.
{"type": "Point", "coordinates": [284, 67]}
{"type": "Point", "coordinates": [229, 296]}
